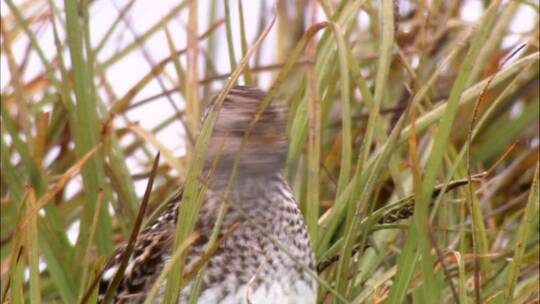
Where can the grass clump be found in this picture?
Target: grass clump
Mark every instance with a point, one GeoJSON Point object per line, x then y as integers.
{"type": "Point", "coordinates": [413, 140]}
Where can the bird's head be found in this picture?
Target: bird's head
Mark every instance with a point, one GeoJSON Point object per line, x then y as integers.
{"type": "Point", "coordinates": [266, 143]}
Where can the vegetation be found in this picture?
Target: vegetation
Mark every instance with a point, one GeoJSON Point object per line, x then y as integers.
{"type": "Point", "coordinates": [413, 143]}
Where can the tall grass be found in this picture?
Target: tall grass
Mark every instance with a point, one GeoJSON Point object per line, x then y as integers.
{"type": "Point", "coordinates": [413, 142]}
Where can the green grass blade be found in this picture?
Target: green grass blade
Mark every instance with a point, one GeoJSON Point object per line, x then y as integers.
{"type": "Point", "coordinates": [32, 239]}
{"type": "Point", "coordinates": [248, 79]}
{"type": "Point", "coordinates": [86, 129]}
{"type": "Point", "coordinates": [522, 236]}
{"type": "Point", "coordinates": [230, 41]}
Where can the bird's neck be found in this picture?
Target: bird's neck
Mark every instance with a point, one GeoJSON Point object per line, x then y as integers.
{"type": "Point", "coordinates": [256, 195]}
{"type": "Point", "coordinates": [243, 181]}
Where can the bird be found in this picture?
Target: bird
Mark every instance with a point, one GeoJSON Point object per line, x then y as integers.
{"type": "Point", "coordinates": [267, 255]}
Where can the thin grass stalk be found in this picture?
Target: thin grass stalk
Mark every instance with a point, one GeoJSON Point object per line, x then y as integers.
{"type": "Point", "coordinates": [346, 141]}
{"type": "Point", "coordinates": [462, 283]}
{"type": "Point", "coordinates": [17, 278]}
{"type": "Point", "coordinates": [526, 225]}
{"type": "Point", "coordinates": [14, 182]}
{"type": "Point", "coordinates": [362, 158]}
{"type": "Point", "coordinates": [32, 239]}
{"type": "Point", "coordinates": [85, 264]}
{"type": "Point", "coordinates": [230, 41]}
{"type": "Point", "coordinates": [103, 66]}
{"type": "Point", "coordinates": [28, 161]}
{"type": "Point", "coordinates": [506, 131]}
{"type": "Point", "coordinates": [363, 192]}
{"type": "Point", "coordinates": [17, 85]}
{"type": "Point", "coordinates": [126, 255]}
{"type": "Point", "coordinates": [478, 238]}
{"type": "Point", "coordinates": [260, 28]}
{"type": "Point", "coordinates": [248, 79]}
{"type": "Point", "coordinates": [324, 53]}
{"type": "Point", "coordinates": [41, 139]}
{"type": "Point", "coordinates": [34, 42]}
{"type": "Point", "coordinates": [122, 103]}
{"type": "Point", "coordinates": [103, 42]}
{"type": "Point", "coordinates": [119, 174]}
{"type": "Point", "coordinates": [369, 99]}
{"type": "Point", "coordinates": [13, 288]}
{"type": "Point", "coordinates": [212, 242]}
{"type": "Point", "coordinates": [192, 75]}
{"type": "Point", "coordinates": [190, 205]}
{"type": "Point", "coordinates": [180, 73]}
{"type": "Point", "coordinates": [59, 185]}
{"type": "Point", "coordinates": [314, 141]}
{"type": "Point", "coordinates": [210, 47]}
{"type": "Point", "coordinates": [86, 133]}
{"type": "Point", "coordinates": [495, 37]}
{"type": "Point", "coordinates": [346, 159]}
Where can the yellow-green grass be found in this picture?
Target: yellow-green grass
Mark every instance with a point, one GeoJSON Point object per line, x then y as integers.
{"type": "Point", "coordinates": [418, 111]}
